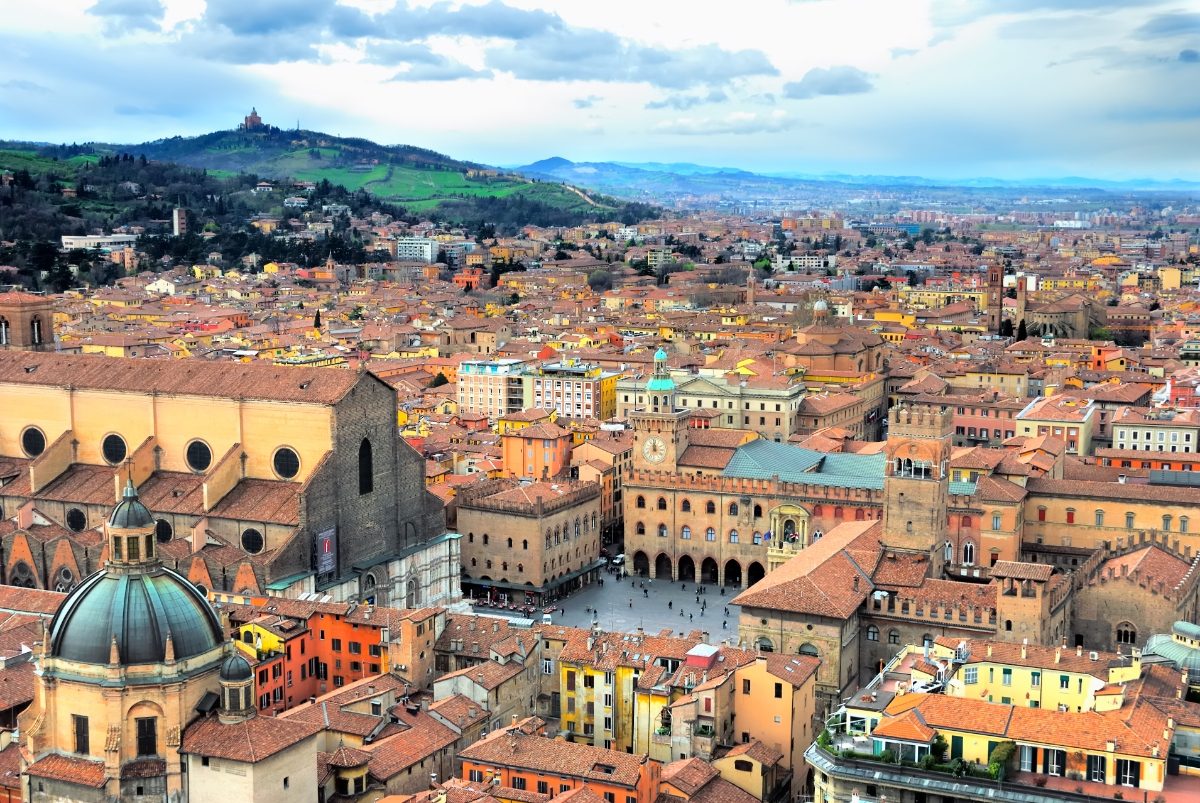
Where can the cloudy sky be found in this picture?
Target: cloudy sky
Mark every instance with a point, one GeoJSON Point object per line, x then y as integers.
{"type": "Point", "coordinates": [945, 88]}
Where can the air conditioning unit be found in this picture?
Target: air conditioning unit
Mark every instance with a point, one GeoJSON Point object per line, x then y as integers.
{"type": "Point", "coordinates": [1095, 656]}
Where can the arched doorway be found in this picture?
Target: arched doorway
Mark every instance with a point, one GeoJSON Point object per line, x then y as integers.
{"type": "Point", "coordinates": [687, 569]}
{"type": "Point", "coordinates": [662, 567]}
{"type": "Point", "coordinates": [641, 564]}
{"type": "Point", "coordinates": [708, 571]}
{"type": "Point", "coordinates": [754, 573]}
{"type": "Point", "coordinates": [733, 573]}
{"type": "Point", "coordinates": [790, 523]}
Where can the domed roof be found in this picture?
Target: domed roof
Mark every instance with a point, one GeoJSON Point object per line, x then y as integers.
{"type": "Point", "coordinates": [138, 610]}
{"type": "Point", "coordinates": [821, 306]}
{"type": "Point", "coordinates": [130, 513]}
{"type": "Point", "coordinates": [660, 355]}
{"type": "Point", "coordinates": [235, 667]}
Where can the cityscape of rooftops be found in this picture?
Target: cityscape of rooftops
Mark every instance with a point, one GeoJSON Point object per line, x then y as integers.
{"type": "Point", "coordinates": [538, 401]}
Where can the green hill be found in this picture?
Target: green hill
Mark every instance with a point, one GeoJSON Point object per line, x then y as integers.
{"type": "Point", "coordinates": [418, 179]}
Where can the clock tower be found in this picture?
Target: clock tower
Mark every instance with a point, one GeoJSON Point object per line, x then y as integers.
{"type": "Point", "coordinates": [659, 428]}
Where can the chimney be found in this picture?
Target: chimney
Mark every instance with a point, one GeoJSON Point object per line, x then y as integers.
{"type": "Point", "coordinates": [1058, 654]}
{"type": "Point", "coordinates": [25, 515]}
{"type": "Point", "coordinates": [1078, 650]}
{"type": "Point", "coordinates": [514, 720]}
{"type": "Point", "coordinates": [989, 650]}
{"type": "Point", "coordinates": [1024, 649]}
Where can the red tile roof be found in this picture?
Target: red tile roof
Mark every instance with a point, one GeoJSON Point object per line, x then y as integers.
{"type": "Point", "coordinates": [249, 741]}
{"type": "Point", "coordinates": [70, 769]}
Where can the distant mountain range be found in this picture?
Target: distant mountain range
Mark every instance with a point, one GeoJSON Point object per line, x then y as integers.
{"type": "Point", "coordinates": [663, 181]}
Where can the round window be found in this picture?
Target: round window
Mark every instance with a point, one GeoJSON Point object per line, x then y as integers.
{"type": "Point", "coordinates": [33, 442]}
{"type": "Point", "coordinates": [252, 541]}
{"type": "Point", "coordinates": [76, 520]}
{"type": "Point", "coordinates": [199, 456]}
{"type": "Point", "coordinates": [203, 591]}
{"type": "Point", "coordinates": [287, 463]}
{"type": "Point", "coordinates": [163, 531]}
{"type": "Point", "coordinates": [114, 449]}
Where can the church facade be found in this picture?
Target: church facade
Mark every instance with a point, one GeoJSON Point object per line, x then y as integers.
{"type": "Point", "coordinates": [261, 479]}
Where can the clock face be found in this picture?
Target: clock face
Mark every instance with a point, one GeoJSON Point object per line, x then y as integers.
{"type": "Point", "coordinates": [654, 450]}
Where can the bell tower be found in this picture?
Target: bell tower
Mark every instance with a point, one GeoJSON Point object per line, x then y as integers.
{"type": "Point", "coordinates": [659, 428]}
{"type": "Point", "coordinates": [916, 480]}
{"type": "Point", "coordinates": [995, 297]}
{"type": "Point", "coordinates": [26, 321]}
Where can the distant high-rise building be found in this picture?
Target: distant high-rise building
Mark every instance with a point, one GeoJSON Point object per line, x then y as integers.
{"type": "Point", "coordinates": [179, 221]}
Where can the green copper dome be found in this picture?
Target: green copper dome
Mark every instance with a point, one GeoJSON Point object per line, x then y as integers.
{"type": "Point", "coordinates": [138, 610]}
{"type": "Point", "coordinates": [130, 513]}
{"type": "Point", "coordinates": [660, 355]}
{"type": "Point", "coordinates": [661, 383]}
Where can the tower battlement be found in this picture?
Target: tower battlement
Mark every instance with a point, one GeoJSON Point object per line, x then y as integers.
{"type": "Point", "coordinates": [920, 421]}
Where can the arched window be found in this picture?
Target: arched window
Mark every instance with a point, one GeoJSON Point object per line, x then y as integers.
{"type": "Point", "coordinates": [1099, 518]}
{"type": "Point", "coordinates": [1166, 523]}
{"type": "Point", "coordinates": [838, 512]}
{"type": "Point", "coordinates": [366, 468]}
{"type": "Point", "coordinates": [1129, 521]}
{"type": "Point", "coordinates": [764, 644]}
{"type": "Point", "coordinates": [859, 514]}
{"type": "Point", "coordinates": [948, 552]}
{"type": "Point", "coordinates": [686, 533]}
{"type": "Point", "coordinates": [733, 535]}
{"type": "Point", "coordinates": [758, 511]}
{"type": "Point", "coordinates": [908, 527]}
{"type": "Point", "coordinates": [818, 510]}
{"type": "Point", "coordinates": [520, 568]}
{"type": "Point", "coordinates": [639, 528]}
{"type": "Point", "coordinates": [641, 502]}
{"type": "Point", "coordinates": [3, 331]}
{"type": "Point", "coordinates": [733, 509]}
{"type": "Point", "coordinates": [662, 531]}
{"type": "Point", "coordinates": [809, 649]}
{"type": "Point", "coordinates": [489, 564]}
{"type": "Point", "coordinates": [577, 527]}
{"type": "Point", "coordinates": [685, 506]}
{"type": "Point", "coordinates": [1008, 625]}
{"type": "Point", "coordinates": [1126, 633]}
{"type": "Point", "coordinates": [968, 554]}
{"type": "Point", "coordinates": [1183, 524]}
{"type": "Point", "coordinates": [524, 544]}
{"type": "Point", "coordinates": [485, 539]}
{"type": "Point", "coordinates": [966, 522]}
{"type": "Point", "coordinates": [872, 633]}
{"type": "Point", "coordinates": [662, 503]}
{"type": "Point", "coordinates": [35, 330]}
{"type": "Point", "coordinates": [510, 543]}
{"type": "Point", "coordinates": [893, 636]}
{"type": "Point", "coordinates": [710, 507]}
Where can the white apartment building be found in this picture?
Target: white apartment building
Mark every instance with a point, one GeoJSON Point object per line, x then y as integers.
{"type": "Point", "coordinates": [1156, 430]}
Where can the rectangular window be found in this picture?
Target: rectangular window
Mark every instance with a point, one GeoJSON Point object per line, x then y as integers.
{"type": "Point", "coordinates": [1129, 773]}
{"type": "Point", "coordinates": [543, 788]}
{"type": "Point", "coordinates": [778, 691]}
{"type": "Point", "coordinates": [1028, 758]}
{"type": "Point", "coordinates": [518, 782]}
{"type": "Point", "coordinates": [746, 686]}
{"type": "Point", "coordinates": [589, 681]}
{"type": "Point", "coordinates": [971, 675]}
{"type": "Point", "coordinates": [547, 666]}
{"type": "Point", "coordinates": [1035, 679]}
{"type": "Point", "coordinates": [1096, 766]}
{"type": "Point", "coordinates": [337, 645]}
{"type": "Point", "coordinates": [80, 725]}
{"type": "Point", "coordinates": [147, 736]}
{"type": "Point", "coordinates": [355, 648]}
{"type": "Point", "coordinates": [1064, 681]}
{"type": "Point", "coordinates": [1006, 677]}
{"type": "Point", "coordinates": [475, 776]}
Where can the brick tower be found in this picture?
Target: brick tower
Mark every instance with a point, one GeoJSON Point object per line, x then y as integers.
{"type": "Point", "coordinates": [995, 298]}
{"type": "Point", "coordinates": [26, 321]}
{"type": "Point", "coordinates": [916, 481]}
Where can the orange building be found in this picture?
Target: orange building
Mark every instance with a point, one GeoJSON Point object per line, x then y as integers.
{"type": "Point", "coordinates": [522, 757]}
{"type": "Point", "coordinates": [539, 451]}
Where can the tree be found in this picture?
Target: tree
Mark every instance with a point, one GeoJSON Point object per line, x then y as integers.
{"type": "Point", "coordinates": [317, 320]}
{"type": "Point", "coordinates": [439, 380]}
{"type": "Point", "coordinates": [1022, 333]}
{"type": "Point", "coordinates": [600, 280]}
{"type": "Point", "coordinates": [1006, 328]}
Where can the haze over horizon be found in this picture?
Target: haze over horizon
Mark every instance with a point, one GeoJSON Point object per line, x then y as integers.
{"type": "Point", "coordinates": [945, 89]}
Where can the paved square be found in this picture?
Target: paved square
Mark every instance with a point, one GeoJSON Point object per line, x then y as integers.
{"type": "Point", "coordinates": [623, 606]}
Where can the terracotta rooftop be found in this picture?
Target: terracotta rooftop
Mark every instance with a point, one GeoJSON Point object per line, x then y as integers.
{"type": "Point", "coordinates": [249, 741]}
{"type": "Point", "coordinates": [518, 748]}
{"type": "Point", "coordinates": [70, 769]}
